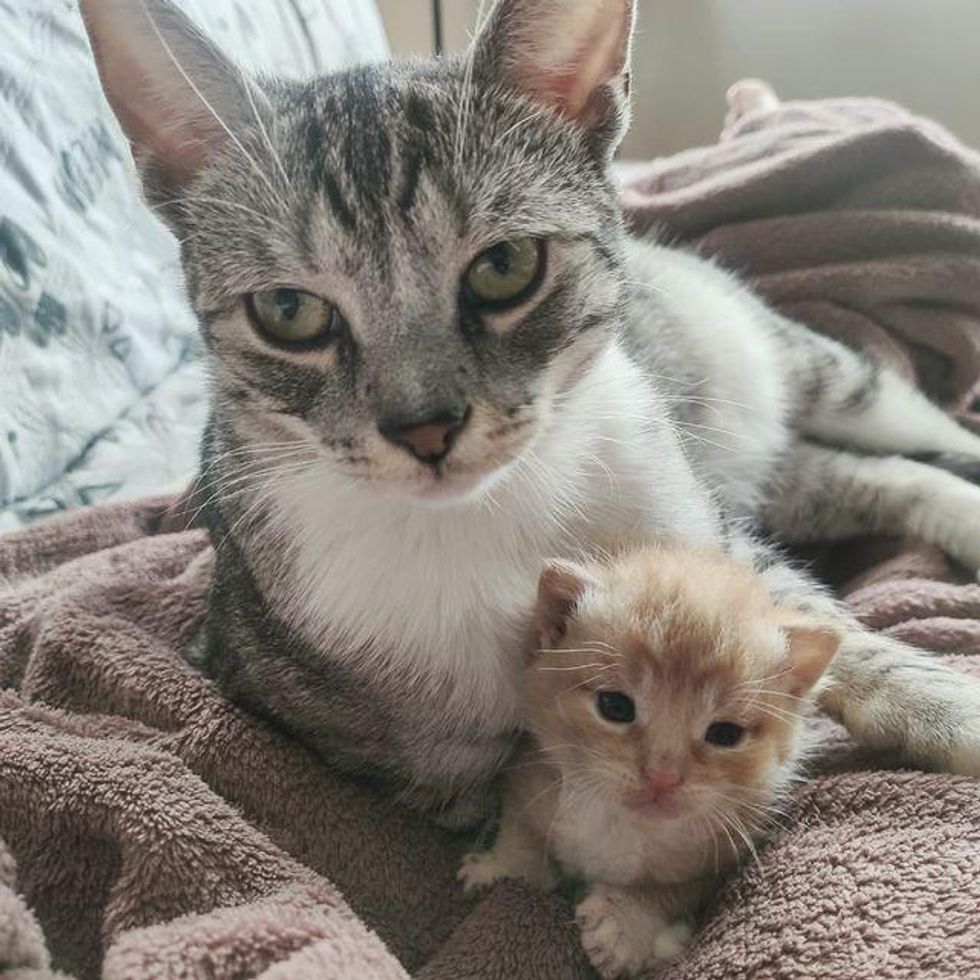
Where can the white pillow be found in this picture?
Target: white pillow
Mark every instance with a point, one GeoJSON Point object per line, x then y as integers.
{"type": "Point", "coordinates": [92, 315]}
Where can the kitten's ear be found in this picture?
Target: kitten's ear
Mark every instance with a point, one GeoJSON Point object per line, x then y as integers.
{"type": "Point", "coordinates": [570, 55]}
{"type": "Point", "coordinates": [811, 647]}
{"type": "Point", "coordinates": [560, 588]}
{"type": "Point", "coordinates": [177, 97]}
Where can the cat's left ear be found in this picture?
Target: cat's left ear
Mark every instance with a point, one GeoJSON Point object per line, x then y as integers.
{"type": "Point", "coordinates": [810, 648]}
{"type": "Point", "coordinates": [560, 589]}
{"type": "Point", "coordinates": [572, 56]}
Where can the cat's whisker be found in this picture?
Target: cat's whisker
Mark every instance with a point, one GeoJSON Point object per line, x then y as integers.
{"type": "Point", "coordinates": [772, 692]}
{"type": "Point", "coordinates": [247, 83]}
{"type": "Point", "coordinates": [551, 786]}
{"type": "Point", "coordinates": [785, 672]}
{"type": "Point", "coordinates": [225, 487]}
{"type": "Point", "coordinates": [701, 427]}
{"type": "Point", "coordinates": [466, 97]}
{"type": "Point", "coordinates": [263, 496]}
{"type": "Point", "coordinates": [611, 480]}
{"type": "Point", "coordinates": [777, 713]}
{"type": "Point", "coordinates": [602, 645]}
{"type": "Point", "coordinates": [589, 681]}
{"type": "Point", "coordinates": [731, 822]}
{"type": "Point", "coordinates": [647, 286]}
{"type": "Point", "coordinates": [223, 202]}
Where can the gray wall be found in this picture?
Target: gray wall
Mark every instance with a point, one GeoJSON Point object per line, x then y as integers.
{"type": "Point", "coordinates": [924, 53]}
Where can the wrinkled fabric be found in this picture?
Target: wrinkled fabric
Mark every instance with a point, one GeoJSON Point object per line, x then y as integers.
{"type": "Point", "coordinates": [159, 831]}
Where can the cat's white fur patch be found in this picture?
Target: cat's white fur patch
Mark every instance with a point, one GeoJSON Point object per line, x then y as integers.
{"type": "Point", "coordinates": [458, 582]}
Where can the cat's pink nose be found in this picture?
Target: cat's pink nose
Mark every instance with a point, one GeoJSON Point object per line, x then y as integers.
{"type": "Point", "coordinates": [661, 783]}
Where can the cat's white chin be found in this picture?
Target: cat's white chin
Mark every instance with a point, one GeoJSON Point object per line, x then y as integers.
{"type": "Point", "coordinates": [447, 490]}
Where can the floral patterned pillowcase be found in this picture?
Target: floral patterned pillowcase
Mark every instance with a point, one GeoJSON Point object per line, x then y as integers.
{"type": "Point", "coordinates": [92, 316]}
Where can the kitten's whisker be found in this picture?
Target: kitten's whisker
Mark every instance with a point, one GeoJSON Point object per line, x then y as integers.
{"type": "Point", "coordinates": [771, 692]}
{"type": "Point", "coordinates": [760, 680]}
{"type": "Point", "coordinates": [537, 796]}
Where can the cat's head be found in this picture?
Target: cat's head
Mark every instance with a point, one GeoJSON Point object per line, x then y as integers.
{"type": "Point", "coordinates": [669, 682]}
{"type": "Point", "coordinates": [399, 270]}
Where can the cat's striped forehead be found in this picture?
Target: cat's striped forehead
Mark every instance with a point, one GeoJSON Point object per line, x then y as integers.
{"type": "Point", "coordinates": [389, 162]}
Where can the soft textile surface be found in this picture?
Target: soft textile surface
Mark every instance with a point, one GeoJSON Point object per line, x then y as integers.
{"type": "Point", "coordinates": [93, 321]}
{"type": "Point", "coordinates": [160, 832]}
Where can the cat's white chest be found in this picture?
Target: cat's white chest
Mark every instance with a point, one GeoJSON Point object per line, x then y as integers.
{"type": "Point", "coordinates": [594, 837]}
{"type": "Point", "coordinates": [424, 600]}
{"type": "Point", "coordinates": [434, 602]}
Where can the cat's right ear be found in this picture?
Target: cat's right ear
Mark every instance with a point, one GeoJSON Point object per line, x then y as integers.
{"type": "Point", "coordinates": [177, 97]}
{"type": "Point", "coordinates": [560, 589]}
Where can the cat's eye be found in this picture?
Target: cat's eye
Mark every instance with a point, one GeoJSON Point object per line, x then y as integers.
{"type": "Point", "coordinates": [724, 734]}
{"type": "Point", "coordinates": [292, 317]}
{"type": "Point", "coordinates": [506, 274]}
{"type": "Point", "coordinates": [616, 707]}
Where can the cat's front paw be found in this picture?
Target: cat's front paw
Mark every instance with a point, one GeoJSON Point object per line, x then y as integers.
{"type": "Point", "coordinates": [622, 938]}
{"type": "Point", "coordinates": [480, 869]}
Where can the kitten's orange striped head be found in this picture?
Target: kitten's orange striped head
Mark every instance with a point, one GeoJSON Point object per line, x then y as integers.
{"type": "Point", "coordinates": [671, 681]}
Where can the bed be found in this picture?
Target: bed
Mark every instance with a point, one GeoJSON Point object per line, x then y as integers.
{"type": "Point", "coordinates": [148, 828]}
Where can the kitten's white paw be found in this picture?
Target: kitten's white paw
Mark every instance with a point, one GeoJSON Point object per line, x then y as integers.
{"type": "Point", "coordinates": [670, 942]}
{"type": "Point", "coordinates": [622, 939]}
{"type": "Point", "coordinates": [480, 869]}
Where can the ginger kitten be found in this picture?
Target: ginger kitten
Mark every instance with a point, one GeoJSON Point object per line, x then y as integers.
{"type": "Point", "coordinates": [665, 706]}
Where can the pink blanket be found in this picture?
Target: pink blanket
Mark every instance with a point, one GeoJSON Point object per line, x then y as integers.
{"type": "Point", "coordinates": [160, 832]}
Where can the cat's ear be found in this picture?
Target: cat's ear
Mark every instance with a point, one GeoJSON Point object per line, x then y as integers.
{"type": "Point", "coordinates": [810, 647]}
{"type": "Point", "coordinates": [560, 589]}
{"type": "Point", "coordinates": [177, 97]}
{"type": "Point", "coordinates": [572, 56]}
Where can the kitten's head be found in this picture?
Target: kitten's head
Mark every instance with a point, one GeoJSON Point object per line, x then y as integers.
{"type": "Point", "coordinates": [399, 270]}
{"type": "Point", "coordinates": [669, 682]}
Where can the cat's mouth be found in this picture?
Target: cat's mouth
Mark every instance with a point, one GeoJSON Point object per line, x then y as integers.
{"type": "Point", "coordinates": [661, 807]}
{"type": "Point", "coordinates": [443, 488]}
{"type": "Point", "coordinates": [455, 485]}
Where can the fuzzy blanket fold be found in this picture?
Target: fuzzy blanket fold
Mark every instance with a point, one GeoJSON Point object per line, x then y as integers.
{"type": "Point", "coordinates": [151, 829]}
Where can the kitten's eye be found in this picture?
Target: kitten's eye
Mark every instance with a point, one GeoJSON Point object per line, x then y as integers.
{"type": "Point", "coordinates": [290, 316]}
{"type": "Point", "coordinates": [505, 274]}
{"type": "Point", "coordinates": [616, 707]}
{"type": "Point", "coordinates": [724, 734]}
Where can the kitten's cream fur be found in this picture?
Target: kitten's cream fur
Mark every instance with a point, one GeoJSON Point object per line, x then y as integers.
{"type": "Point", "coordinates": [648, 812]}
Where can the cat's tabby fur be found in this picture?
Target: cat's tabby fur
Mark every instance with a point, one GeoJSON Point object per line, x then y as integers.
{"type": "Point", "coordinates": [372, 604]}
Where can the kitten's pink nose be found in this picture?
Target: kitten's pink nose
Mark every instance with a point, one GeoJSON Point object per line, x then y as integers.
{"type": "Point", "coordinates": [661, 783]}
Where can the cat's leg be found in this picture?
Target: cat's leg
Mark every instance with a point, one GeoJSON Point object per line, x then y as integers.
{"type": "Point", "coordinates": [828, 494]}
{"type": "Point", "coordinates": [840, 397]}
{"type": "Point", "coordinates": [517, 852]}
{"type": "Point", "coordinates": [888, 695]}
{"type": "Point", "coordinates": [529, 799]}
{"type": "Point", "coordinates": [627, 931]}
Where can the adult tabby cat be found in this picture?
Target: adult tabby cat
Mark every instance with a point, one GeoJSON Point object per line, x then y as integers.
{"type": "Point", "coordinates": [437, 359]}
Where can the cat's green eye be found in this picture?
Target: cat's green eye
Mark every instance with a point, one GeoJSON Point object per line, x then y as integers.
{"type": "Point", "coordinates": [506, 274]}
{"type": "Point", "coordinates": [291, 316]}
